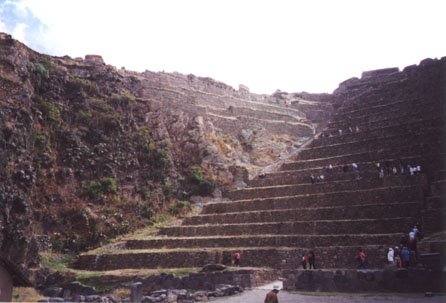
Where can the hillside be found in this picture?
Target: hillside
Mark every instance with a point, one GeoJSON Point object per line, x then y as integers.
{"type": "Point", "coordinates": [89, 152]}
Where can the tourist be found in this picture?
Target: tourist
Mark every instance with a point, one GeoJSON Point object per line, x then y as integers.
{"type": "Point", "coordinates": [271, 297]}
{"type": "Point", "coordinates": [355, 170]}
{"type": "Point", "coordinates": [403, 240]}
{"type": "Point", "coordinates": [340, 132]}
{"type": "Point", "coordinates": [391, 256]}
{"type": "Point", "coordinates": [361, 259]}
{"type": "Point", "coordinates": [402, 168]}
{"type": "Point", "coordinates": [418, 169]}
{"type": "Point", "coordinates": [311, 260]}
{"type": "Point", "coordinates": [350, 129]}
{"type": "Point", "coordinates": [322, 178]}
{"type": "Point", "coordinates": [345, 168]}
{"type": "Point", "coordinates": [405, 255]}
{"type": "Point", "coordinates": [381, 173]}
{"type": "Point", "coordinates": [304, 261]}
{"type": "Point", "coordinates": [397, 257]}
{"type": "Point", "coordinates": [313, 179]}
{"type": "Point", "coordinates": [237, 258]}
{"type": "Point", "coordinates": [387, 164]}
{"type": "Point", "coordinates": [357, 129]}
{"type": "Point", "coordinates": [378, 166]}
{"type": "Point", "coordinates": [262, 175]}
{"type": "Point", "coordinates": [409, 169]}
{"type": "Point", "coordinates": [417, 230]}
{"type": "Point", "coordinates": [412, 246]}
{"type": "Point", "coordinates": [394, 170]}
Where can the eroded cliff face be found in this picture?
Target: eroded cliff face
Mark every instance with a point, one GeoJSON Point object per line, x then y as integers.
{"type": "Point", "coordinates": [88, 152]}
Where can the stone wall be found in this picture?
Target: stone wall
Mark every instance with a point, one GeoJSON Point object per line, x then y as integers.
{"type": "Point", "coordinates": [383, 280]}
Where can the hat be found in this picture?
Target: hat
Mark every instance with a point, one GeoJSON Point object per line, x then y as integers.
{"type": "Point", "coordinates": [276, 287]}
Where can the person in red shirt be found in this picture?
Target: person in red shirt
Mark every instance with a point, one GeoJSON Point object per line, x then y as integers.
{"type": "Point", "coordinates": [237, 259]}
{"type": "Point", "coordinates": [361, 259]}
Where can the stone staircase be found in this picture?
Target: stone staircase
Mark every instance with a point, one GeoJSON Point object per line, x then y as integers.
{"type": "Point", "coordinates": [279, 217]}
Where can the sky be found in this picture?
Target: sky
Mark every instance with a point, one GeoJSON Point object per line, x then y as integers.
{"type": "Point", "coordinates": [291, 45]}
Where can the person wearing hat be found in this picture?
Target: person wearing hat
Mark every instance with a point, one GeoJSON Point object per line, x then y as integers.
{"type": "Point", "coordinates": [271, 297]}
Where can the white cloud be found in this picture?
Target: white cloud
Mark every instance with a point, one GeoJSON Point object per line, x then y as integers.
{"type": "Point", "coordinates": [19, 32]}
{"type": "Point", "coordinates": [291, 45]}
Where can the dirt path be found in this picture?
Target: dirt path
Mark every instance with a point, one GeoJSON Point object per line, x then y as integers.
{"type": "Point", "coordinates": [258, 295]}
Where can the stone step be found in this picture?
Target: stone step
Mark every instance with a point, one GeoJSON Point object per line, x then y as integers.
{"type": "Point", "coordinates": [433, 220]}
{"type": "Point", "coordinates": [367, 170]}
{"type": "Point", "coordinates": [400, 108]}
{"type": "Point", "coordinates": [419, 150]}
{"type": "Point", "coordinates": [377, 118]}
{"type": "Point", "coordinates": [438, 187]}
{"type": "Point", "coordinates": [357, 226]}
{"type": "Point", "coordinates": [303, 214]}
{"type": "Point", "coordinates": [324, 187]}
{"type": "Point", "coordinates": [303, 177]}
{"type": "Point", "coordinates": [369, 145]}
{"type": "Point", "coordinates": [436, 202]}
{"type": "Point", "coordinates": [335, 198]}
{"type": "Point", "coordinates": [274, 257]}
{"type": "Point", "coordinates": [263, 240]}
{"type": "Point", "coordinates": [393, 128]}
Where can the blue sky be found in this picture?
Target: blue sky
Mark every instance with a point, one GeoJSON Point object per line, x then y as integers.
{"type": "Point", "coordinates": [306, 45]}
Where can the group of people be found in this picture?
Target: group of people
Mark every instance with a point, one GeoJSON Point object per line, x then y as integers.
{"type": "Point", "coordinates": [308, 259]}
{"type": "Point", "coordinates": [328, 170]}
{"type": "Point", "coordinates": [406, 254]}
{"type": "Point", "coordinates": [339, 132]}
{"type": "Point", "coordinates": [389, 169]}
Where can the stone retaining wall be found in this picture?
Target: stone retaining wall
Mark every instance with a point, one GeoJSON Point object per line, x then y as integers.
{"type": "Point", "coordinates": [387, 280]}
{"type": "Point", "coordinates": [361, 197]}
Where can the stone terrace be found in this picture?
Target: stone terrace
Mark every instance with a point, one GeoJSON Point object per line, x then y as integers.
{"type": "Point", "coordinates": [401, 121]}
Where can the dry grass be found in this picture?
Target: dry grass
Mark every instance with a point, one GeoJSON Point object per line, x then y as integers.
{"type": "Point", "coordinates": [121, 292]}
{"type": "Point", "coordinates": [26, 294]}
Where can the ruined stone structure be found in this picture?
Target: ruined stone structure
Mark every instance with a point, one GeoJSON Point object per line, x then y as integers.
{"type": "Point", "coordinates": [395, 118]}
{"type": "Point", "coordinates": [77, 136]}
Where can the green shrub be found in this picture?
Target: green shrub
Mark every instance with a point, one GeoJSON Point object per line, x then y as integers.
{"type": "Point", "coordinates": [49, 110]}
{"type": "Point", "coordinates": [109, 122]}
{"type": "Point", "coordinates": [197, 174]}
{"type": "Point", "coordinates": [100, 105]}
{"type": "Point", "coordinates": [146, 211]}
{"type": "Point", "coordinates": [84, 85]}
{"type": "Point", "coordinates": [203, 185]}
{"type": "Point", "coordinates": [40, 70]}
{"type": "Point", "coordinates": [97, 189]}
{"type": "Point", "coordinates": [122, 100]}
{"type": "Point", "coordinates": [84, 116]}
{"type": "Point", "coordinates": [180, 207]}
{"type": "Point", "coordinates": [41, 141]}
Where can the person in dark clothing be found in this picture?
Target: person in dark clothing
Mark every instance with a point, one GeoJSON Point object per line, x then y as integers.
{"type": "Point", "coordinates": [271, 297]}
{"type": "Point", "coordinates": [313, 179]}
{"type": "Point", "coordinates": [311, 259]}
{"type": "Point", "coordinates": [304, 261]}
{"type": "Point", "coordinates": [405, 254]}
{"type": "Point", "coordinates": [361, 259]}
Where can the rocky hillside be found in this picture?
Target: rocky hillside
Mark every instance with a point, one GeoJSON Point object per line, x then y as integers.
{"type": "Point", "coordinates": [88, 152]}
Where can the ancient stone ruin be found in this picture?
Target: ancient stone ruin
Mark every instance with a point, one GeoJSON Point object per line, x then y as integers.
{"type": "Point", "coordinates": [391, 117]}
{"type": "Point", "coordinates": [89, 153]}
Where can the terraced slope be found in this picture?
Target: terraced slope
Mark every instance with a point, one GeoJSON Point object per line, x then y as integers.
{"type": "Point", "coordinates": [396, 119]}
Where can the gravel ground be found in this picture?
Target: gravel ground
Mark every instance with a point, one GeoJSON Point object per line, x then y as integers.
{"type": "Point", "coordinates": [258, 296]}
